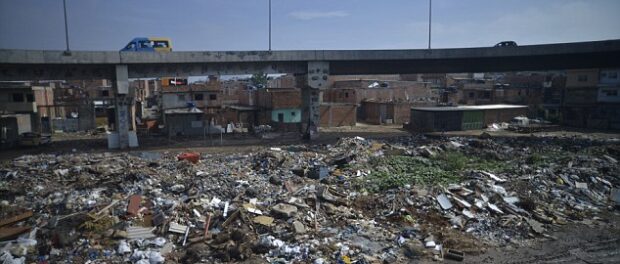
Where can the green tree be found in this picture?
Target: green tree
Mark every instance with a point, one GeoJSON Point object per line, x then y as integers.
{"type": "Point", "coordinates": [259, 79]}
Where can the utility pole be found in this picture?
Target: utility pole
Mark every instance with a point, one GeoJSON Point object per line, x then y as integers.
{"type": "Point", "coordinates": [269, 25]}
{"type": "Point", "coordinates": [430, 6]}
{"type": "Point", "coordinates": [64, 5]}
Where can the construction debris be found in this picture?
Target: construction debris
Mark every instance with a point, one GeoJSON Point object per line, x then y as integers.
{"type": "Point", "coordinates": [357, 201]}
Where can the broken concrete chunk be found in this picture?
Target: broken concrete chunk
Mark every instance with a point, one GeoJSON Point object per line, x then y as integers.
{"type": "Point", "coordinates": [581, 185]}
{"type": "Point", "coordinates": [454, 145]}
{"type": "Point", "coordinates": [177, 228]}
{"type": "Point", "coordinates": [178, 188]}
{"type": "Point", "coordinates": [444, 202]}
{"type": "Point", "coordinates": [427, 152]}
{"type": "Point", "coordinates": [494, 208]}
{"type": "Point", "coordinates": [263, 220]}
{"type": "Point", "coordinates": [465, 192]}
{"type": "Point", "coordinates": [250, 208]}
{"type": "Point", "coordinates": [457, 221]}
{"type": "Point", "coordinates": [461, 202]}
{"type": "Point", "coordinates": [499, 190]}
{"type": "Point", "coordinates": [61, 172]}
{"type": "Point", "coordinates": [299, 227]}
{"type": "Point", "coordinates": [493, 176]}
{"type": "Point", "coordinates": [511, 199]}
{"type": "Point", "coordinates": [468, 214]}
{"type": "Point", "coordinates": [429, 242]}
{"type": "Point", "coordinates": [285, 210]}
{"type": "Point", "coordinates": [136, 232]}
{"type": "Point", "coordinates": [536, 226]}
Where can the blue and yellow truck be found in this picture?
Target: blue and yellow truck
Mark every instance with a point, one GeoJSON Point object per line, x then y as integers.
{"type": "Point", "coordinates": [149, 45]}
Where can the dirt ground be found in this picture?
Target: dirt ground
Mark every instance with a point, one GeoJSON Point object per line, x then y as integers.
{"type": "Point", "coordinates": [572, 243]}
{"type": "Point", "coordinates": [64, 143]}
{"type": "Point", "coordinates": [69, 142]}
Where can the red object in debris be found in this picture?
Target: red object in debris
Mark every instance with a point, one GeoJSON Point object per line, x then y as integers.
{"type": "Point", "coordinates": [190, 156]}
{"type": "Point", "coordinates": [134, 204]}
{"type": "Point", "coordinates": [207, 227]}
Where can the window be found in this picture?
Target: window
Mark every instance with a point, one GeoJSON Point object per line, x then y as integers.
{"type": "Point", "coordinates": [346, 95]}
{"type": "Point", "coordinates": [160, 44]}
{"type": "Point", "coordinates": [181, 97]}
{"type": "Point", "coordinates": [292, 113]}
{"type": "Point", "coordinates": [487, 95]}
{"type": "Point", "coordinates": [18, 97]}
{"type": "Point", "coordinates": [213, 97]}
{"type": "Point", "coordinates": [582, 78]}
{"type": "Point", "coordinates": [610, 92]}
{"type": "Point", "coordinates": [130, 46]}
{"type": "Point", "coordinates": [29, 98]}
{"type": "Point", "coordinates": [198, 97]}
{"type": "Point", "coordinates": [105, 93]}
{"type": "Point", "coordinates": [145, 44]}
{"type": "Point", "coordinates": [613, 75]}
{"type": "Point", "coordinates": [471, 94]}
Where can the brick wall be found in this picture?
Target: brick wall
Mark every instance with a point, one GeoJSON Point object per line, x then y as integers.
{"type": "Point", "coordinates": [371, 112]}
{"type": "Point", "coordinates": [247, 97]}
{"type": "Point", "coordinates": [285, 81]}
{"type": "Point", "coordinates": [279, 98]}
{"type": "Point", "coordinates": [378, 112]}
{"type": "Point", "coordinates": [401, 113]}
{"type": "Point", "coordinates": [334, 115]}
{"type": "Point", "coordinates": [344, 95]}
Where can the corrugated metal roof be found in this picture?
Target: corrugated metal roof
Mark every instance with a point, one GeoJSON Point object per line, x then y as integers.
{"type": "Point", "coordinates": [468, 107]}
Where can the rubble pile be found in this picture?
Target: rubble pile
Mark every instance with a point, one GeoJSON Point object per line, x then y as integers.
{"type": "Point", "coordinates": [357, 201]}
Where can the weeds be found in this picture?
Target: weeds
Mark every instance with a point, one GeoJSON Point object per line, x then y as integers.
{"type": "Point", "coordinates": [535, 159]}
{"type": "Point", "coordinates": [448, 167]}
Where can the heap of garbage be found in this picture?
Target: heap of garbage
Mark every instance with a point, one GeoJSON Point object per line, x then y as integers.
{"type": "Point", "coordinates": [357, 201]}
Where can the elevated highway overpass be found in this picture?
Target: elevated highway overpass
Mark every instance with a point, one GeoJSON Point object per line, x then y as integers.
{"type": "Point", "coordinates": [317, 65]}
{"type": "Point", "coordinates": [42, 64]}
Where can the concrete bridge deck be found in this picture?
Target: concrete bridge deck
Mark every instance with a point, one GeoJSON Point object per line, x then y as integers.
{"type": "Point", "coordinates": [40, 64]}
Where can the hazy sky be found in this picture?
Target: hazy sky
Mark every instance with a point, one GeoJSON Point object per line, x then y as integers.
{"type": "Point", "coordinates": [300, 24]}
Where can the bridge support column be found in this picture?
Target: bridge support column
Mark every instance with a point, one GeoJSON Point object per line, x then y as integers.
{"type": "Point", "coordinates": [123, 101]}
{"type": "Point", "coordinates": [318, 73]}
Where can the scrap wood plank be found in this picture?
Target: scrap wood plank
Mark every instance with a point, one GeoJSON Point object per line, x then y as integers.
{"type": "Point", "coordinates": [16, 218]}
{"type": "Point", "coordinates": [231, 218]}
{"type": "Point", "coordinates": [11, 232]}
